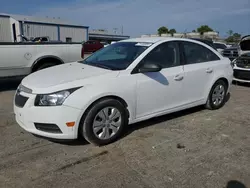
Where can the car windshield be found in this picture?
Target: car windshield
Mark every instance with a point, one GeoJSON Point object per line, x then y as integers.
{"type": "Point", "coordinates": [117, 56]}
{"type": "Point", "coordinates": [220, 46]}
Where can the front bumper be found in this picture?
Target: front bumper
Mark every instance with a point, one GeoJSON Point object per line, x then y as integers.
{"type": "Point", "coordinates": [241, 75]}
{"type": "Point", "coordinates": [29, 116]}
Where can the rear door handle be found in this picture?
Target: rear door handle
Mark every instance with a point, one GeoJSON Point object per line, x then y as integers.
{"type": "Point", "coordinates": [178, 77]}
{"type": "Point", "coordinates": [209, 70]}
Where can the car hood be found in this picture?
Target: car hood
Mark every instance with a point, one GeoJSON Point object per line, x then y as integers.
{"type": "Point", "coordinates": [245, 43]}
{"type": "Point", "coordinates": [65, 76]}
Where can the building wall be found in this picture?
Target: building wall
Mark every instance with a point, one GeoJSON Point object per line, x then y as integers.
{"type": "Point", "coordinates": [5, 30]}
{"type": "Point", "coordinates": [18, 31]}
{"type": "Point", "coordinates": [76, 34]}
{"type": "Point", "coordinates": [36, 30]}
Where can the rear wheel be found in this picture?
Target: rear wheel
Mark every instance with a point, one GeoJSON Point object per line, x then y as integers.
{"type": "Point", "coordinates": [217, 95]}
{"type": "Point", "coordinates": [45, 65]}
{"type": "Point", "coordinates": [104, 122]}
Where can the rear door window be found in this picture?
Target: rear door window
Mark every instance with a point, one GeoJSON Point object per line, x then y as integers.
{"type": "Point", "coordinates": [196, 53]}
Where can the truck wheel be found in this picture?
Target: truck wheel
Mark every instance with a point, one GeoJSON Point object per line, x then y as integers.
{"type": "Point", "coordinates": [104, 122]}
{"type": "Point", "coordinates": [45, 65]}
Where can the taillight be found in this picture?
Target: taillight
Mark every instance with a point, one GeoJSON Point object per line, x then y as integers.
{"type": "Point", "coordinates": [82, 52]}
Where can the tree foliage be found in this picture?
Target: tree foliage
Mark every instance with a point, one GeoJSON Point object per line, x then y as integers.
{"type": "Point", "coordinates": [233, 37]}
{"type": "Point", "coordinates": [172, 31]}
{"type": "Point", "coordinates": [204, 28]}
{"type": "Point", "coordinates": [162, 30]}
{"type": "Point", "coordinates": [230, 32]}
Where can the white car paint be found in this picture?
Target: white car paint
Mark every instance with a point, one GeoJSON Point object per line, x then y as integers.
{"type": "Point", "coordinates": [18, 59]}
{"type": "Point", "coordinates": [243, 50]}
{"type": "Point", "coordinates": [147, 95]}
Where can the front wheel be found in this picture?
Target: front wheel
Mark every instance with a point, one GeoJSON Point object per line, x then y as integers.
{"type": "Point", "coordinates": [104, 122]}
{"type": "Point", "coordinates": [217, 95]}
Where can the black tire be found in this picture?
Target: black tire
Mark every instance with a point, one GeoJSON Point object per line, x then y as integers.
{"type": "Point", "coordinates": [210, 105]}
{"type": "Point", "coordinates": [45, 65]}
{"type": "Point", "coordinates": [86, 124]}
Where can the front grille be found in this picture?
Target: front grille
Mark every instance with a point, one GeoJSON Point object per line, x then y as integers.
{"type": "Point", "coordinates": [20, 100]}
{"type": "Point", "coordinates": [47, 127]}
{"type": "Point", "coordinates": [231, 54]}
{"type": "Point", "coordinates": [242, 74]}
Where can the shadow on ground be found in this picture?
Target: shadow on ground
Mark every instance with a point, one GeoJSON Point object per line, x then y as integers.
{"type": "Point", "coordinates": [9, 84]}
{"type": "Point", "coordinates": [160, 119]}
{"type": "Point", "coordinates": [235, 184]}
{"type": "Point", "coordinates": [241, 84]}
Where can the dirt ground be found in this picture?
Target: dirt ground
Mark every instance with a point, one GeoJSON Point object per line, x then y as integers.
{"type": "Point", "coordinates": [192, 148]}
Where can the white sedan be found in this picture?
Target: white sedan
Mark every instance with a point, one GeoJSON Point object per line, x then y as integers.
{"type": "Point", "coordinates": [124, 83]}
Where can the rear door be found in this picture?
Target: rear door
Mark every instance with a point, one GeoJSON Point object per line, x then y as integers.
{"type": "Point", "coordinates": [199, 70]}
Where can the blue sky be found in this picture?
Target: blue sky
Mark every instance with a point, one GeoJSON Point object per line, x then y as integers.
{"type": "Point", "coordinates": [141, 16]}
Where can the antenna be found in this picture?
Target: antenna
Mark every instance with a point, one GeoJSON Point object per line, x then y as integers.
{"type": "Point", "coordinates": [184, 33]}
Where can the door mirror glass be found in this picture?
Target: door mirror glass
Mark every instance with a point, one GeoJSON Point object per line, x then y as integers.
{"type": "Point", "coordinates": [149, 67]}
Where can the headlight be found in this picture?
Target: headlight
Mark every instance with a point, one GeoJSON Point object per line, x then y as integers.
{"type": "Point", "coordinates": [233, 62]}
{"type": "Point", "coordinates": [53, 99]}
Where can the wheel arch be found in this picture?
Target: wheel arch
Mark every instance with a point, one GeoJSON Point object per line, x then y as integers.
{"type": "Point", "coordinates": [120, 99]}
{"type": "Point", "coordinates": [39, 61]}
{"type": "Point", "coordinates": [217, 79]}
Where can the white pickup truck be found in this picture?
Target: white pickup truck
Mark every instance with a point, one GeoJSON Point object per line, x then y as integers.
{"type": "Point", "coordinates": [20, 59]}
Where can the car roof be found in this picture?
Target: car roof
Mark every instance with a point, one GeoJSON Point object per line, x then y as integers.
{"type": "Point", "coordinates": [158, 39]}
{"type": "Point", "coordinates": [146, 39]}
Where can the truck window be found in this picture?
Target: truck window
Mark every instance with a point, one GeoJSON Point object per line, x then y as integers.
{"type": "Point", "coordinates": [68, 39]}
{"type": "Point", "coordinates": [44, 39]}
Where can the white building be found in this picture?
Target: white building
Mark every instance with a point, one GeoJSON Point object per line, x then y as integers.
{"type": "Point", "coordinates": [210, 35]}
{"type": "Point", "coordinates": [12, 26]}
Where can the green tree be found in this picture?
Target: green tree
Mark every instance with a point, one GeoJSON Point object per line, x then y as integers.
{"type": "Point", "coordinates": [230, 32]}
{"type": "Point", "coordinates": [172, 31]}
{"type": "Point", "coordinates": [235, 37]}
{"type": "Point", "coordinates": [162, 30]}
{"type": "Point", "coordinates": [204, 28]}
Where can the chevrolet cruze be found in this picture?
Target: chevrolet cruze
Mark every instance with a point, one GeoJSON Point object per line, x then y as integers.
{"type": "Point", "coordinates": [121, 84]}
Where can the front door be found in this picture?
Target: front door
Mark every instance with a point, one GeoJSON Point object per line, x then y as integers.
{"type": "Point", "coordinates": [159, 91]}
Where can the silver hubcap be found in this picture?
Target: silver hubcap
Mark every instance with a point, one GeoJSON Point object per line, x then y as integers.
{"type": "Point", "coordinates": [218, 95]}
{"type": "Point", "coordinates": [107, 123]}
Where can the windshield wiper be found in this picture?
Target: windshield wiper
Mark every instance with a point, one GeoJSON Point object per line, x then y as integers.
{"type": "Point", "coordinates": [100, 66]}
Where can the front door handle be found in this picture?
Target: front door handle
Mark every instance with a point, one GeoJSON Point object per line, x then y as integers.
{"type": "Point", "coordinates": [209, 70]}
{"type": "Point", "coordinates": [178, 77]}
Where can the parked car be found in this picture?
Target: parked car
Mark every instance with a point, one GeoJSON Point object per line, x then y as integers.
{"type": "Point", "coordinates": [244, 45]}
{"type": "Point", "coordinates": [206, 41]}
{"type": "Point", "coordinates": [20, 59]}
{"type": "Point", "coordinates": [242, 68]}
{"type": "Point", "coordinates": [123, 83]}
{"type": "Point", "coordinates": [105, 44]}
{"type": "Point", "coordinates": [237, 50]}
{"type": "Point", "coordinates": [220, 46]}
{"type": "Point", "coordinates": [231, 52]}
{"type": "Point", "coordinates": [92, 46]}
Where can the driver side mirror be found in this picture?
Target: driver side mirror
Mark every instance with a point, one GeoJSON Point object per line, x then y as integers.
{"type": "Point", "coordinates": [149, 67]}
